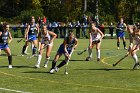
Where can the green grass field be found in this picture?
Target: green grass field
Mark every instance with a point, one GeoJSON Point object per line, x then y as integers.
{"type": "Point", "coordinates": [84, 76]}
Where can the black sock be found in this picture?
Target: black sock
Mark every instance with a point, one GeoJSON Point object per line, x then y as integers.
{"type": "Point", "coordinates": [53, 64]}
{"type": "Point", "coordinates": [23, 49]}
{"type": "Point", "coordinates": [34, 50]}
{"type": "Point", "coordinates": [62, 64]}
{"type": "Point", "coordinates": [10, 60]}
{"type": "Point", "coordinates": [118, 44]}
{"type": "Point", "coordinates": [124, 44]}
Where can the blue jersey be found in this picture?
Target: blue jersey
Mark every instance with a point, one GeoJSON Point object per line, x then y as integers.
{"type": "Point", "coordinates": [4, 37]}
{"type": "Point", "coordinates": [69, 46]}
{"type": "Point", "coordinates": [32, 33]}
{"type": "Point", "coordinates": [4, 40]}
{"type": "Point", "coordinates": [32, 30]}
{"type": "Point", "coordinates": [120, 30]}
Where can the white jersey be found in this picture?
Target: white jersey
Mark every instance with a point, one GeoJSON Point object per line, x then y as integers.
{"type": "Point", "coordinates": [137, 39]}
{"type": "Point", "coordinates": [46, 39]}
{"type": "Point", "coordinates": [95, 36]}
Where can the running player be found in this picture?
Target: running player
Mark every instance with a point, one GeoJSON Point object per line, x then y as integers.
{"type": "Point", "coordinates": [66, 48]}
{"type": "Point", "coordinates": [46, 42]}
{"type": "Point", "coordinates": [121, 33]}
{"type": "Point", "coordinates": [32, 31]}
{"type": "Point", "coordinates": [136, 47]}
{"type": "Point", "coordinates": [4, 35]}
{"type": "Point", "coordinates": [95, 39]}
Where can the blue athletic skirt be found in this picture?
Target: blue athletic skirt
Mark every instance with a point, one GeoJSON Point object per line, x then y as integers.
{"type": "Point", "coordinates": [61, 49]}
{"type": "Point", "coordinates": [120, 34]}
{"type": "Point", "coordinates": [3, 46]}
{"type": "Point", "coordinates": [32, 37]}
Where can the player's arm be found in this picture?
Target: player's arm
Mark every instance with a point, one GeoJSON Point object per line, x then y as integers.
{"type": "Point", "coordinates": [0, 33]}
{"type": "Point", "coordinates": [76, 43]}
{"type": "Point", "coordinates": [10, 38]}
{"type": "Point", "coordinates": [102, 35]}
{"type": "Point", "coordinates": [37, 26]}
{"type": "Point", "coordinates": [125, 26]}
{"type": "Point", "coordinates": [65, 46]}
{"type": "Point", "coordinates": [90, 39]}
{"type": "Point", "coordinates": [53, 36]}
{"type": "Point", "coordinates": [26, 32]}
{"type": "Point", "coordinates": [39, 41]}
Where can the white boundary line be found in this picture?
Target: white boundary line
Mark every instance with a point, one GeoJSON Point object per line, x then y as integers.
{"type": "Point", "coordinates": [14, 90]}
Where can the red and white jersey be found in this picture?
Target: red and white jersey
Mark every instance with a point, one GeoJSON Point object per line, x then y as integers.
{"type": "Point", "coordinates": [95, 35]}
{"type": "Point", "coordinates": [137, 39]}
{"type": "Point", "coordinates": [46, 38]}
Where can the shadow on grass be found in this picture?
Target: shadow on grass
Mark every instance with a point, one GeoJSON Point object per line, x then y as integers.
{"type": "Point", "coordinates": [17, 67]}
{"type": "Point", "coordinates": [108, 69]}
{"type": "Point", "coordinates": [35, 72]}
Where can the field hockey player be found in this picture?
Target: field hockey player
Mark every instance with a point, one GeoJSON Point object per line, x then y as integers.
{"type": "Point", "coordinates": [46, 37]}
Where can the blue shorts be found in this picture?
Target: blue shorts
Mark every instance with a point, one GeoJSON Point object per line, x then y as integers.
{"type": "Point", "coordinates": [32, 37]}
{"type": "Point", "coordinates": [120, 34]}
{"type": "Point", "coordinates": [61, 50]}
{"type": "Point", "coordinates": [3, 46]}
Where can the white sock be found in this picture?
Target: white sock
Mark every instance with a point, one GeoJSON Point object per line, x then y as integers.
{"type": "Point", "coordinates": [135, 58]}
{"type": "Point", "coordinates": [26, 49]}
{"type": "Point", "coordinates": [98, 53]}
{"type": "Point", "coordinates": [32, 46]}
{"type": "Point", "coordinates": [90, 52]}
{"type": "Point", "coordinates": [47, 61]}
{"type": "Point", "coordinates": [39, 59]}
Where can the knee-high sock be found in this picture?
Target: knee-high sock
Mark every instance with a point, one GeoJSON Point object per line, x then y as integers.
{"type": "Point", "coordinates": [23, 49]}
{"type": "Point", "coordinates": [32, 46]}
{"type": "Point", "coordinates": [53, 64]}
{"type": "Point", "coordinates": [62, 64]}
{"type": "Point", "coordinates": [90, 52]}
{"type": "Point", "coordinates": [118, 44]}
{"type": "Point", "coordinates": [34, 50]}
{"type": "Point", "coordinates": [26, 49]}
{"type": "Point", "coordinates": [98, 53]}
{"type": "Point", "coordinates": [47, 61]}
{"type": "Point", "coordinates": [10, 60]}
{"type": "Point", "coordinates": [124, 44]}
{"type": "Point", "coordinates": [135, 58]}
{"type": "Point", "coordinates": [39, 59]}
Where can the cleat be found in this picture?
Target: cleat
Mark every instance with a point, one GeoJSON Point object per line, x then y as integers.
{"type": "Point", "coordinates": [98, 59]}
{"type": "Point", "coordinates": [34, 55]}
{"type": "Point", "coordinates": [37, 66]}
{"type": "Point", "coordinates": [45, 66]}
{"type": "Point", "coordinates": [136, 66]}
{"type": "Point", "coordinates": [56, 69]}
{"type": "Point", "coordinates": [88, 58]}
{"type": "Point", "coordinates": [125, 48]}
{"type": "Point", "coordinates": [118, 48]}
{"type": "Point", "coordinates": [52, 71]}
{"type": "Point", "coordinates": [10, 66]}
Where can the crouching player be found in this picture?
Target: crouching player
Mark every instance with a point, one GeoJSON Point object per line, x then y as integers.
{"type": "Point", "coordinates": [46, 42]}
{"type": "Point", "coordinates": [4, 35]}
{"type": "Point", "coordinates": [136, 47]}
{"type": "Point", "coordinates": [66, 48]}
{"type": "Point", "coordinates": [95, 39]}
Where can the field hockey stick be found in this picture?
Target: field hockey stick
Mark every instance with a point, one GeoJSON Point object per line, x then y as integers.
{"type": "Point", "coordinates": [81, 52]}
{"type": "Point", "coordinates": [66, 66]}
{"type": "Point", "coordinates": [123, 57]}
{"type": "Point", "coordinates": [35, 55]}
{"type": "Point", "coordinates": [18, 41]}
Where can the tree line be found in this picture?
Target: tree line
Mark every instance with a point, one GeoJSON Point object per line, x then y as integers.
{"type": "Point", "coordinates": [70, 10]}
